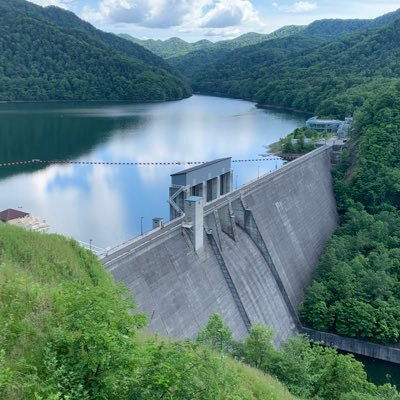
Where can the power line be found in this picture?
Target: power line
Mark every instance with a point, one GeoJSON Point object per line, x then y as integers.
{"type": "Point", "coordinates": [130, 163]}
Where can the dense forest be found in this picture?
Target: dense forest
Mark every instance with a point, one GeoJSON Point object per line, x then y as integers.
{"type": "Point", "coordinates": [67, 332]}
{"type": "Point", "coordinates": [337, 27]}
{"type": "Point", "coordinates": [176, 47]}
{"type": "Point", "coordinates": [50, 54]}
{"type": "Point", "coordinates": [314, 70]}
{"type": "Point", "coordinates": [357, 287]}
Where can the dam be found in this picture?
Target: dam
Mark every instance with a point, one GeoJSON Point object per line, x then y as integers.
{"type": "Point", "coordinates": [259, 247]}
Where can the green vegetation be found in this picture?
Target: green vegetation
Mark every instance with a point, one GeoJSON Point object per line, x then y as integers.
{"type": "Point", "coordinates": [240, 72]}
{"type": "Point", "coordinates": [309, 370]}
{"type": "Point", "coordinates": [356, 291]}
{"type": "Point", "coordinates": [172, 47]}
{"type": "Point", "coordinates": [301, 140]}
{"type": "Point", "coordinates": [324, 75]}
{"type": "Point", "coordinates": [66, 332]}
{"type": "Point", "coordinates": [337, 27]}
{"type": "Point", "coordinates": [176, 47]}
{"type": "Point", "coordinates": [50, 54]}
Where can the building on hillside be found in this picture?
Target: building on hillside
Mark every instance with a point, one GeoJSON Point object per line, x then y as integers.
{"type": "Point", "coordinates": [209, 180]}
{"type": "Point", "coordinates": [323, 125]}
{"type": "Point", "coordinates": [341, 128]}
{"type": "Point", "coordinates": [24, 220]}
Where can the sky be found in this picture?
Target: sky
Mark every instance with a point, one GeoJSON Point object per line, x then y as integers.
{"type": "Point", "coordinates": [214, 20]}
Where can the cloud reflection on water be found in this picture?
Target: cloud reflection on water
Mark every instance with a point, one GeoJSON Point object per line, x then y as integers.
{"type": "Point", "coordinates": [106, 203]}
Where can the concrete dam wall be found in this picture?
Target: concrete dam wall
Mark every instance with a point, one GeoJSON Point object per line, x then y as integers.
{"type": "Point", "coordinates": [261, 245]}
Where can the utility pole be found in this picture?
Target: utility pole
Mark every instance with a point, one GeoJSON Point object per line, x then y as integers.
{"type": "Point", "coordinates": [141, 226]}
{"type": "Point", "coordinates": [90, 244]}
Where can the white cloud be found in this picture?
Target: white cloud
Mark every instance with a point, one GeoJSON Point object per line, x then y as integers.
{"type": "Point", "coordinates": [188, 15]}
{"type": "Point", "coordinates": [227, 13]}
{"type": "Point", "coordinates": [148, 13]}
{"type": "Point", "coordinates": [298, 7]}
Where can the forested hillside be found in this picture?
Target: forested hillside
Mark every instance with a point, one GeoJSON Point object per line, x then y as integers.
{"type": "Point", "coordinates": [337, 27]}
{"type": "Point", "coordinates": [50, 54]}
{"type": "Point", "coordinates": [310, 70]}
{"type": "Point", "coordinates": [235, 73]}
{"type": "Point", "coordinates": [199, 61]}
{"type": "Point", "coordinates": [67, 332]}
{"type": "Point", "coordinates": [356, 291]}
{"type": "Point", "coordinates": [176, 47]}
{"type": "Point", "coordinates": [328, 78]}
{"type": "Point", "coordinates": [168, 48]}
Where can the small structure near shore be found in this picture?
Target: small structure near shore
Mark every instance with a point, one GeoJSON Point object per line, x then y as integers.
{"type": "Point", "coordinates": [341, 128]}
{"type": "Point", "coordinates": [23, 220]}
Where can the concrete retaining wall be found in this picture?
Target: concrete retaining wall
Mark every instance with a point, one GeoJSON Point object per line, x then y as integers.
{"type": "Point", "coordinates": [355, 346]}
{"type": "Point", "coordinates": [269, 257]}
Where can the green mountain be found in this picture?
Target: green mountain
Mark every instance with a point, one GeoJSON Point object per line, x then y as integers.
{"type": "Point", "coordinates": [168, 48]}
{"type": "Point", "coordinates": [197, 61]}
{"type": "Point", "coordinates": [337, 27]}
{"type": "Point", "coordinates": [310, 73]}
{"type": "Point", "coordinates": [50, 54]}
{"type": "Point", "coordinates": [176, 47]}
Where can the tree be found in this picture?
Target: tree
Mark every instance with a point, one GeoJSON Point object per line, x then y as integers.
{"type": "Point", "coordinates": [216, 334]}
{"type": "Point", "coordinates": [257, 347]}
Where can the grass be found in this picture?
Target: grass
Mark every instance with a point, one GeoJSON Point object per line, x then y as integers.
{"type": "Point", "coordinates": [36, 271]}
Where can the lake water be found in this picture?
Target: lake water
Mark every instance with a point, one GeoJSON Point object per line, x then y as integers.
{"type": "Point", "coordinates": [106, 204]}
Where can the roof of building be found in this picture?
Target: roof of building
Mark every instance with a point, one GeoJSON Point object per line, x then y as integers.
{"type": "Point", "coordinates": [200, 166]}
{"type": "Point", "coordinates": [10, 214]}
{"type": "Point", "coordinates": [322, 121]}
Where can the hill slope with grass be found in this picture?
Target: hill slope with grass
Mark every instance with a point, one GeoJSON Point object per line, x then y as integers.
{"type": "Point", "coordinates": [66, 331]}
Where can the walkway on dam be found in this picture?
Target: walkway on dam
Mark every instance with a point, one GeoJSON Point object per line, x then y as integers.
{"type": "Point", "coordinates": [126, 248]}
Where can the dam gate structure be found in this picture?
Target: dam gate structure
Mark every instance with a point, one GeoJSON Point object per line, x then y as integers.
{"type": "Point", "coordinates": [209, 180]}
{"type": "Point", "coordinates": [250, 261]}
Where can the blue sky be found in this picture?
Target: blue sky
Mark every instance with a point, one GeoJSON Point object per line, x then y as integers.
{"type": "Point", "coordinates": [213, 19]}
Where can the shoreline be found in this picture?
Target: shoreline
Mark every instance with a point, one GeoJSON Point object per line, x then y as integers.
{"type": "Point", "coordinates": [89, 101]}
{"type": "Point", "coordinates": [283, 108]}
{"type": "Point", "coordinates": [258, 105]}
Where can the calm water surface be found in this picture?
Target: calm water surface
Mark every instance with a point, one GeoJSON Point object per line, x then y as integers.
{"type": "Point", "coordinates": [106, 203]}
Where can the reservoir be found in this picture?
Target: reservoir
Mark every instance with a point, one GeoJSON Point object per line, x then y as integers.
{"type": "Point", "coordinates": [111, 204]}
